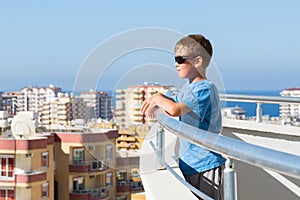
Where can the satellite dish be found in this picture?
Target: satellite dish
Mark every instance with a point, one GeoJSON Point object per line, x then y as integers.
{"type": "Point", "coordinates": [22, 126]}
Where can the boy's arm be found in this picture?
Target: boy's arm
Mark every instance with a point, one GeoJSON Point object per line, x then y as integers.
{"type": "Point", "coordinates": [172, 108]}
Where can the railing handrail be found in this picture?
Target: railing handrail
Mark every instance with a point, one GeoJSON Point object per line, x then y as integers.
{"type": "Point", "coordinates": [262, 99]}
{"type": "Point", "coordinates": [86, 162]}
{"type": "Point", "coordinates": [255, 155]}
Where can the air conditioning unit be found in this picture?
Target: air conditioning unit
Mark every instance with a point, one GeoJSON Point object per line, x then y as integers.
{"type": "Point", "coordinates": [29, 155]}
{"type": "Point", "coordinates": [92, 148]}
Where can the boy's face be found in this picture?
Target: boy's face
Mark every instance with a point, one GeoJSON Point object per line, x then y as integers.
{"type": "Point", "coordinates": [187, 69]}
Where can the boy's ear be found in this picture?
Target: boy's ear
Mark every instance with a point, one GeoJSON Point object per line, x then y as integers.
{"type": "Point", "coordinates": [198, 61]}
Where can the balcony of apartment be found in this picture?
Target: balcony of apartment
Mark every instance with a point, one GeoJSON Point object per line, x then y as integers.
{"type": "Point", "coordinates": [46, 112]}
{"type": "Point", "coordinates": [88, 166]}
{"type": "Point", "coordinates": [136, 108]}
{"type": "Point", "coordinates": [120, 97]}
{"type": "Point", "coordinates": [261, 156]}
{"type": "Point", "coordinates": [132, 185]}
{"type": "Point", "coordinates": [124, 138]}
{"type": "Point", "coordinates": [25, 178]}
{"type": "Point", "coordinates": [138, 118]}
{"type": "Point", "coordinates": [62, 107]}
{"type": "Point", "coordinates": [22, 178]}
{"type": "Point", "coordinates": [126, 145]}
{"type": "Point", "coordinates": [22, 144]}
{"type": "Point", "coordinates": [46, 106]}
{"type": "Point", "coordinates": [138, 96]}
{"type": "Point", "coordinates": [62, 112]}
{"type": "Point", "coordinates": [45, 122]}
{"type": "Point", "coordinates": [138, 91]}
{"type": "Point", "coordinates": [137, 113]}
{"type": "Point", "coordinates": [62, 117]}
{"type": "Point", "coordinates": [45, 115]}
{"type": "Point", "coordinates": [90, 194]}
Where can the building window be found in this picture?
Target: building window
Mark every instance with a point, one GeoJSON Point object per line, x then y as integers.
{"type": "Point", "coordinates": [109, 152]}
{"type": "Point", "coordinates": [7, 194]}
{"type": "Point", "coordinates": [7, 166]}
{"type": "Point", "coordinates": [78, 155]}
{"type": "Point", "coordinates": [45, 159]}
{"type": "Point", "coordinates": [109, 179]}
{"type": "Point", "coordinates": [78, 183]}
{"type": "Point", "coordinates": [45, 190]}
{"type": "Point", "coordinates": [122, 175]}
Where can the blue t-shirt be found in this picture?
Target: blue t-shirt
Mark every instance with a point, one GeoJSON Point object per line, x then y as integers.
{"type": "Point", "coordinates": [203, 100]}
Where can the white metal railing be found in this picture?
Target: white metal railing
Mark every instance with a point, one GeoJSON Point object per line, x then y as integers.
{"type": "Point", "coordinates": [30, 171]}
{"type": "Point", "coordinates": [284, 163]}
{"type": "Point", "coordinates": [95, 192]}
{"type": "Point", "coordinates": [93, 165]}
{"type": "Point", "coordinates": [259, 100]}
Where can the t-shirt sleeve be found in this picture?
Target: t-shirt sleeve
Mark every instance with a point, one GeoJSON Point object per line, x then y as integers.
{"type": "Point", "coordinates": [198, 102]}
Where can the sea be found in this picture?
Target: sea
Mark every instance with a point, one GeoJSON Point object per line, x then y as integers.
{"type": "Point", "coordinates": [267, 109]}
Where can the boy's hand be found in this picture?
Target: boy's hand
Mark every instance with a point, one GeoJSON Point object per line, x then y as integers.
{"type": "Point", "coordinates": [149, 106]}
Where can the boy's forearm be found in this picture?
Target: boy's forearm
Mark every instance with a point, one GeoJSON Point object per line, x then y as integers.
{"type": "Point", "coordinates": [172, 108]}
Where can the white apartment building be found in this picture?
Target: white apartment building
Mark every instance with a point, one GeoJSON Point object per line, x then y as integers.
{"type": "Point", "coordinates": [57, 110]}
{"type": "Point", "coordinates": [129, 101]}
{"type": "Point", "coordinates": [290, 113]}
{"type": "Point", "coordinates": [3, 121]}
{"type": "Point", "coordinates": [10, 102]}
{"type": "Point", "coordinates": [32, 98]}
{"type": "Point", "coordinates": [1, 101]}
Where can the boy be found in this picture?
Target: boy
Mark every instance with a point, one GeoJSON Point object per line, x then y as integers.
{"type": "Point", "coordinates": [197, 104]}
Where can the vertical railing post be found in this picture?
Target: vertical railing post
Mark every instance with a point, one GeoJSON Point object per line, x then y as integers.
{"type": "Point", "coordinates": [230, 190]}
{"type": "Point", "coordinates": [160, 144]}
{"type": "Point", "coordinates": [258, 112]}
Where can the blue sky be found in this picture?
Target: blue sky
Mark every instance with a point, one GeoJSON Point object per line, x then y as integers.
{"type": "Point", "coordinates": [256, 43]}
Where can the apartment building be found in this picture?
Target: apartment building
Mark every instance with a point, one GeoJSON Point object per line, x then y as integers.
{"type": "Point", "coordinates": [10, 102]}
{"type": "Point", "coordinates": [99, 104]}
{"type": "Point", "coordinates": [86, 164]}
{"type": "Point", "coordinates": [1, 101]}
{"type": "Point", "coordinates": [27, 168]}
{"type": "Point", "coordinates": [57, 111]}
{"type": "Point", "coordinates": [131, 138]}
{"type": "Point", "coordinates": [65, 165]}
{"type": "Point", "coordinates": [79, 109]}
{"type": "Point", "coordinates": [129, 101]}
{"type": "Point", "coordinates": [32, 98]}
{"type": "Point", "coordinates": [3, 121]}
{"type": "Point", "coordinates": [290, 113]}
{"type": "Point", "coordinates": [129, 182]}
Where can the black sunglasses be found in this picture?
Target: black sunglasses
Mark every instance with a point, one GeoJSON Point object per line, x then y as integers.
{"type": "Point", "coordinates": [181, 59]}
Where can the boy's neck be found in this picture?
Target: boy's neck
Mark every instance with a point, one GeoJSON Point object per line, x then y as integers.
{"type": "Point", "coordinates": [197, 79]}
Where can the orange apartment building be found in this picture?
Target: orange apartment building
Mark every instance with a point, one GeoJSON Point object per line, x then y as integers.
{"type": "Point", "coordinates": [85, 165]}
{"type": "Point", "coordinates": [129, 101]}
{"type": "Point", "coordinates": [27, 168]}
{"type": "Point", "coordinates": [129, 182]}
{"type": "Point", "coordinates": [67, 166]}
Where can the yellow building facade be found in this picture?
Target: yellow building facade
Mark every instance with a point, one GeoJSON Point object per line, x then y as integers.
{"type": "Point", "coordinates": [67, 166]}
{"type": "Point", "coordinates": [85, 165]}
{"type": "Point", "coordinates": [27, 168]}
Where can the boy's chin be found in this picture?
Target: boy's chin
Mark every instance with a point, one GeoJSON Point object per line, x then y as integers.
{"type": "Point", "coordinates": [180, 76]}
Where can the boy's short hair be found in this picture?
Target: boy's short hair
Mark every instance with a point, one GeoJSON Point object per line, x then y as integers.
{"type": "Point", "coordinates": [196, 45]}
